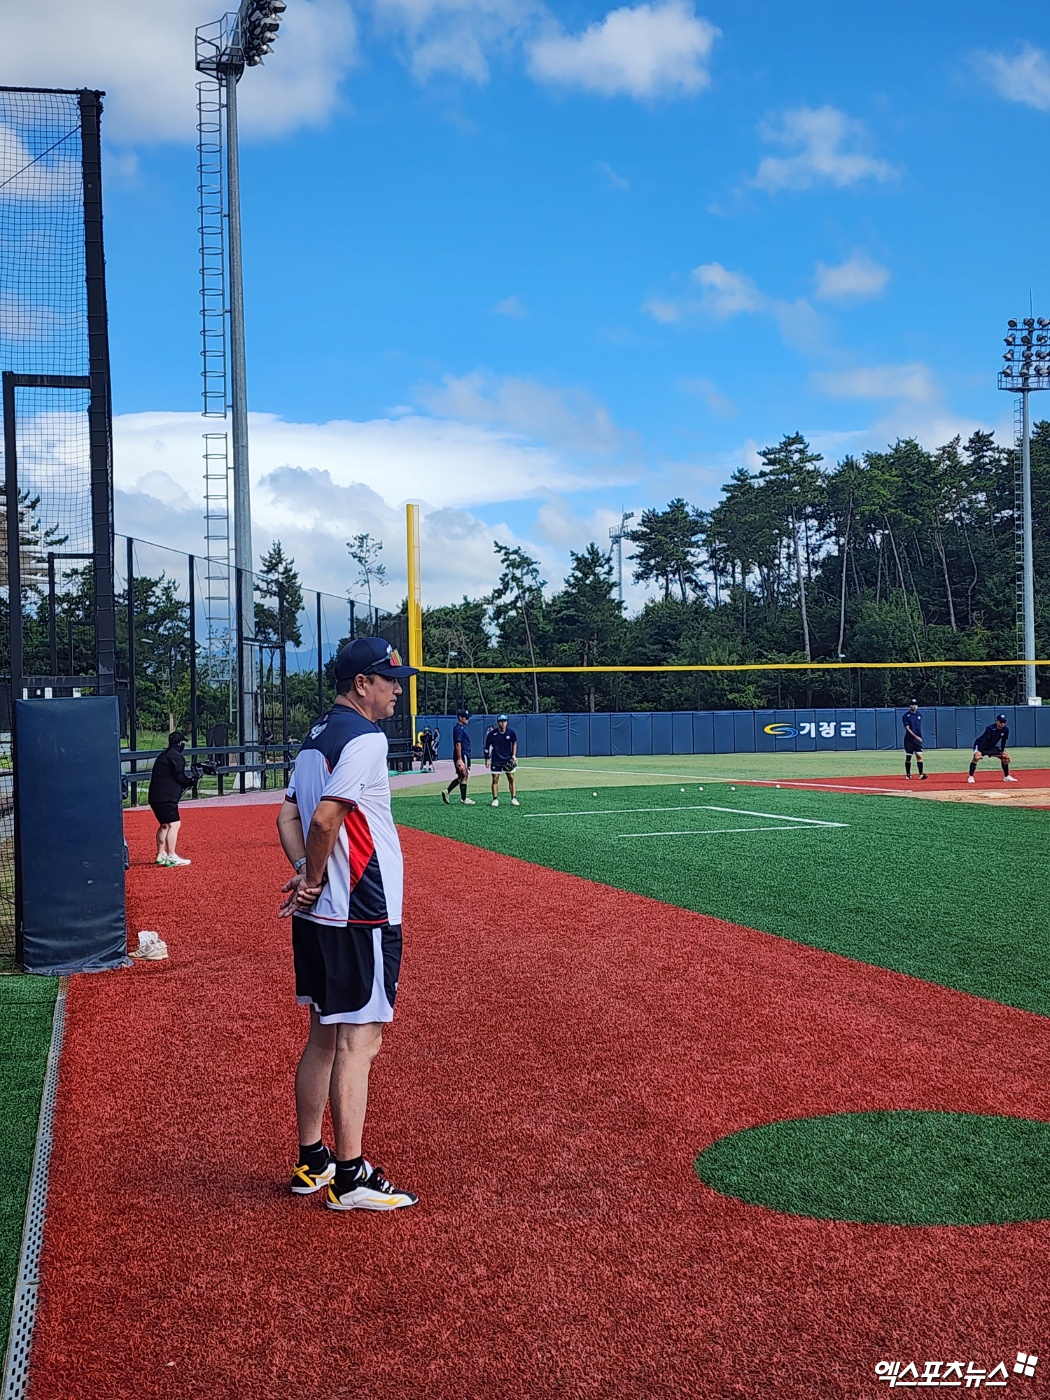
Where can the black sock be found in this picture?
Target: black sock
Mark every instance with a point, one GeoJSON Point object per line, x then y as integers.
{"type": "Point", "coordinates": [313, 1154]}
{"type": "Point", "coordinates": [973, 769]}
{"type": "Point", "coordinates": [907, 765]}
{"type": "Point", "coordinates": [1006, 770]}
{"type": "Point", "coordinates": [919, 762]}
{"type": "Point", "coordinates": [453, 785]}
{"type": "Point", "coordinates": [462, 792]}
{"type": "Point", "coordinates": [348, 1175]}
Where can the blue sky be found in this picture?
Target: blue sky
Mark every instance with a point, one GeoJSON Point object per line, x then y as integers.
{"type": "Point", "coordinates": [530, 264]}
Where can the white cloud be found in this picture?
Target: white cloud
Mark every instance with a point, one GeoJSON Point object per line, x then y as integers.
{"type": "Point", "coordinates": [914, 382]}
{"type": "Point", "coordinates": [724, 293]}
{"type": "Point", "coordinates": [511, 306]}
{"type": "Point", "coordinates": [827, 147]}
{"type": "Point", "coordinates": [1024, 78]}
{"type": "Point", "coordinates": [662, 310]}
{"type": "Point", "coordinates": [316, 484]}
{"type": "Point", "coordinates": [566, 418]}
{"type": "Point", "coordinates": [612, 178]}
{"type": "Point", "coordinates": [859, 278]}
{"type": "Point", "coordinates": [22, 320]}
{"type": "Point", "coordinates": [457, 37]}
{"type": "Point", "coordinates": [645, 51]}
{"type": "Point", "coordinates": [716, 401]}
{"type": "Point", "coordinates": [142, 55]}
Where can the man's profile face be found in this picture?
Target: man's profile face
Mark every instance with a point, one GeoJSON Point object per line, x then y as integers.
{"type": "Point", "coordinates": [913, 707]}
{"type": "Point", "coordinates": [378, 695]}
{"type": "Point", "coordinates": [1000, 724]}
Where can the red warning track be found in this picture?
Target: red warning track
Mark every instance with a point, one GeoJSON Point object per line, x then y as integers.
{"type": "Point", "coordinates": [562, 1051]}
{"type": "Point", "coordinates": [1032, 788]}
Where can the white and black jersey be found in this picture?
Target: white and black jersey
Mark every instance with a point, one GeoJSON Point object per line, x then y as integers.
{"type": "Point", "coordinates": [345, 757]}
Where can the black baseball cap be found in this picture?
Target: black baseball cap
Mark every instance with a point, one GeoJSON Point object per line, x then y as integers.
{"type": "Point", "coordinates": [463, 714]}
{"type": "Point", "coordinates": [1002, 717]}
{"type": "Point", "coordinates": [370, 656]}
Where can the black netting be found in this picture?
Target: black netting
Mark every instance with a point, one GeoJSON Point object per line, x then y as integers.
{"type": "Point", "coordinates": [43, 331]}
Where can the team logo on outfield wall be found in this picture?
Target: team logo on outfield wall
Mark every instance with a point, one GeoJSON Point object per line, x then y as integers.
{"type": "Point", "coordinates": [781, 731]}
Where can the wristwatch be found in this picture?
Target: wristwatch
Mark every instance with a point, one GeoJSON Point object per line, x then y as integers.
{"type": "Point", "coordinates": [299, 865]}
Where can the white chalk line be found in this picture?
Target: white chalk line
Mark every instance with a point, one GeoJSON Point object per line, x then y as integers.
{"type": "Point", "coordinates": [726, 831]}
{"type": "Point", "coordinates": [681, 807]}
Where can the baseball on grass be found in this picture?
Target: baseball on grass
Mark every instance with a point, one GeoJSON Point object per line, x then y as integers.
{"type": "Point", "coordinates": [778, 787]}
{"type": "Point", "coordinates": [594, 794]}
{"type": "Point", "coordinates": [732, 789]}
{"type": "Point", "coordinates": [681, 789]}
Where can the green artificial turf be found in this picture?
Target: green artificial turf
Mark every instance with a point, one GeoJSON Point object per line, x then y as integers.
{"type": "Point", "coordinates": [949, 892]}
{"type": "Point", "coordinates": [889, 1168]}
{"type": "Point", "coordinates": [537, 773]}
{"type": "Point", "coordinates": [27, 1006]}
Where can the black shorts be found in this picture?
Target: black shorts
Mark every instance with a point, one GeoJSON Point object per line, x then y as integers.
{"type": "Point", "coordinates": [499, 765]}
{"type": "Point", "coordinates": [912, 745]}
{"type": "Point", "coordinates": [346, 972]}
{"type": "Point", "coordinates": [165, 812]}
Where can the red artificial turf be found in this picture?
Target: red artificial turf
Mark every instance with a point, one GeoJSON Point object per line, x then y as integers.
{"type": "Point", "coordinates": [1033, 781]}
{"type": "Point", "coordinates": [561, 1052]}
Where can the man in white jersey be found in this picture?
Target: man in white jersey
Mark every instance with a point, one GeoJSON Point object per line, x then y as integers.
{"type": "Point", "coordinates": [344, 899]}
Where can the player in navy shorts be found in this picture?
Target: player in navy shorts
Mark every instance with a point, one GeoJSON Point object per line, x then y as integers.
{"type": "Point", "coordinates": [461, 759]}
{"type": "Point", "coordinates": [501, 756]}
{"type": "Point", "coordinates": [992, 744]}
{"type": "Point", "coordinates": [912, 721]}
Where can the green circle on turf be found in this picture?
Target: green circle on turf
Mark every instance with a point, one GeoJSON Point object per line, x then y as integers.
{"type": "Point", "coordinates": [904, 1167]}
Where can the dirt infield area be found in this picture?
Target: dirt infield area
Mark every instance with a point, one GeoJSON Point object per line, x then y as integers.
{"type": "Point", "coordinates": [1032, 788]}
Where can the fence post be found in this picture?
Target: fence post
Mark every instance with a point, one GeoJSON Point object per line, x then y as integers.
{"type": "Point", "coordinates": [193, 653]}
{"type": "Point", "coordinates": [52, 620]}
{"type": "Point", "coordinates": [282, 636]}
{"type": "Point", "coordinates": [133, 731]}
{"type": "Point", "coordinates": [320, 662]}
{"type": "Point", "coordinates": [239, 573]}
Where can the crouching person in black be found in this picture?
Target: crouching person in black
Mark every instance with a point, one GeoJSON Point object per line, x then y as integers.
{"type": "Point", "coordinates": [168, 781]}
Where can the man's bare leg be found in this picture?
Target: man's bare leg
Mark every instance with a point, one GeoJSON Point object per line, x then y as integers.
{"type": "Point", "coordinates": [171, 836]}
{"type": "Point", "coordinates": [162, 836]}
{"type": "Point", "coordinates": [356, 1048]}
{"type": "Point", "coordinates": [313, 1077]}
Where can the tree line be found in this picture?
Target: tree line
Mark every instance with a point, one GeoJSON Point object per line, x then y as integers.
{"type": "Point", "coordinates": [904, 555]}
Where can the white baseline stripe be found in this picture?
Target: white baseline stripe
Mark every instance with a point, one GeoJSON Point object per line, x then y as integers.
{"type": "Point", "coordinates": [682, 807]}
{"type": "Point", "coordinates": [774, 816]}
{"type": "Point", "coordinates": [722, 831]}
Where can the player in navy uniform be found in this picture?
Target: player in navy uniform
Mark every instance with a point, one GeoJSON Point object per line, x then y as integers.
{"type": "Point", "coordinates": [992, 744]}
{"type": "Point", "coordinates": [912, 721]}
{"type": "Point", "coordinates": [461, 758]}
{"type": "Point", "coordinates": [345, 898]}
{"type": "Point", "coordinates": [501, 755]}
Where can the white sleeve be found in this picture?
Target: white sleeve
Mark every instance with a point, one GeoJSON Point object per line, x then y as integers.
{"type": "Point", "coordinates": [357, 767]}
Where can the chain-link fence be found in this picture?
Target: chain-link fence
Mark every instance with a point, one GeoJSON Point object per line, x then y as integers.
{"type": "Point", "coordinates": [177, 657]}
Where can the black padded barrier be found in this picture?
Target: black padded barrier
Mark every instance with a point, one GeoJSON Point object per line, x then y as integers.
{"type": "Point", "coordinates": [69, 836]}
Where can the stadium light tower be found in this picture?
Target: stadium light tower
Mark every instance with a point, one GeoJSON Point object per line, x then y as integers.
{"type": "Point", "coordinates": [616, 538]}
{"type": "Point", "coordinates": [1026, 367]}
{"type": "Point", "coordinates": [224, 49]}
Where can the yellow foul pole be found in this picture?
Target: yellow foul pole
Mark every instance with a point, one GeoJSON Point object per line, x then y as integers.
{"type": "Point", "coordinates": [415, 612]}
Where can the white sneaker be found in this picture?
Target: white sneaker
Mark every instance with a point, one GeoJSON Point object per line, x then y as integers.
{"type": "Point", "coordinates": [971, 779]}
{"type": "Point", "coordinates": [514, 802]}
{"type": "Point", "coordinates": [179, 860]}
{"type": "Point", "coordinates": [162, 860]}
{"type": "Point", "coordinates": [152, 947]}
{"type": "Point", "coordinates": [469, 802]}
{"type": "Point", "coordinates": [1008, 779]}
{"type": "Point", "coordinates": [495, 802]}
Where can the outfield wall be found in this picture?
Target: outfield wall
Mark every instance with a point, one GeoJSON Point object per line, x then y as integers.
{"type": "Point", "coordinates": [746, 731]}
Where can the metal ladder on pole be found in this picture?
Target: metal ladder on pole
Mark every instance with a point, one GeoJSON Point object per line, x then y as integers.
{"type": "Point", "coordinates": [218, 588]}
